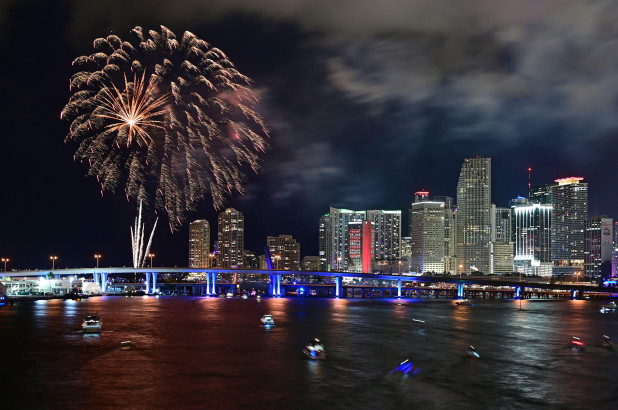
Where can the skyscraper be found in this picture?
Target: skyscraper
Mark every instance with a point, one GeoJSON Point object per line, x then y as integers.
{"type": "Point", "coordinates": [450, 230]}
{"type": "Point", "coordinates": [324, 246]}
{"type": "Point", "coordinates": [501, 256]}
{"type": "Point", "coordinates": [361, 246]}
{"type": "Point", "coordinates": [285, 252]}
{"type": "Point", "coordinates": [568, 225]}
{"type": "Point", "coordinates": [199, 244]}
{"type": "Point", "coordinates": [337, 236]}
{"type": "Point", "coordinates": [427, 231]}
{"type": "Point", "coordinates": [532, 232]}
{"type": "Point", "coordinates": [598, 245]}
{"type": "Point", "coordinates": [231, 239]}
{"type": "Point", "coordinates": [474, 214]}
{"type": "Point", "coordinates": [387, 234]}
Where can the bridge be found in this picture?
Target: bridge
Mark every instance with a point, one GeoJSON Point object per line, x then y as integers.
{"type": "Point", "coordinates": [402, 285]}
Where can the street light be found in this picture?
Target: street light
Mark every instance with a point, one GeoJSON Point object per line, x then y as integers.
{"type": "Point", "coordinates": [53, 259]}
{"type": "Point", "coordinates": [211, 257]}
{"type": "Point", "coordinates": [400, 268]}
{"type": "Point", "coordinates": [151, 255]}
{"type": "Point", "coordinates": [5, 260]}
{"type": "Point", "coordinates": [97, 257]}
{"type": "Point", "coordinates": [460, 269]}
{"type": "Point", "coordinates": [277, 257]}
{"type": "Point", "coordinates": [339, 263]}
{"type": "Point", "coordinates": [577, 277]}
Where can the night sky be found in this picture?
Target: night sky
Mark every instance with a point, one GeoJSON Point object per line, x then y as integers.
{"type": "Point", "coordinates": [367, 101]}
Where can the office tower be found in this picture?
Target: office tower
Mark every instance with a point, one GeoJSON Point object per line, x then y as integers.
{"type": "Point", "coordinates": [616, 234]}
{"type": "Point", "coordinates": [568, 225]}
{"type": "Point", "coordinates": [285, 252]}
{"type": "Point", "coordinates": [598, 246]}
{"type": "Point", "coordinates": [406, 253]}
{"type": "Point", "coordinates": [500, 224]}
{"type": "Point", "coordinates": [199, 244]}
{"type": "Point", "coordinates": [310, 263]}
{"type": "Point", "coordinates": [387, 239]}
{"type": "Point", "coordinates": [361, 246]}
{"type": "Point", "coordinates": [231, 239]}
{"type": "Point", "coordinates": [541, 195]}
{"type": "Point", "coordinates": [336, 236]}
{"type": "Point", "coordinates": [427, 232]}
{"type": "Point", "coordinates": [324, 245]}
{"type": "Point", "coordinates": [532, 231]}
{"type": "Point", "coordinates": [450, 241]}
{"type": "Point", "coordinates": [474, 215]}
{"type": "Point", "coordinates": [502, 258]}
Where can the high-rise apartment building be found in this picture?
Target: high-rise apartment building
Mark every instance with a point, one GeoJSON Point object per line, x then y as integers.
{"type": "Point", "coordinates": [532, 232]}
{"type": "Point", "coordinates": [285, 252]}
{"type": "Point", "coordinates": [324, 245]}
{"type": "Point", "coordinates": [336, 237]}
{"type": "Point", "coordinates": [598, 245]}
{"type": "Point", "coordinates": [387, 233]}
{"type": "Point", "coordinates": [361, 246]}
{"type": "Point", "coordinates": [199, 244]}
{"type": "Point", "coordinates": [501, 254]}
{"type": "Point", "coordinates": [450, 233]}
{"type": "Point", "coordinates": [310, 263]}
{"type": "Point", "coordinates": [406, 253]}
{"type": "Point", "coordinates": [231, 239]}
{"type": "Point", "coordinates": [568, 225]}
{"type": "Point", "coordinates": [500, 224]}
{"type": "Point", "coordinates": [474, 215]}
{"type": "Point", "coordinates": [427, 232]}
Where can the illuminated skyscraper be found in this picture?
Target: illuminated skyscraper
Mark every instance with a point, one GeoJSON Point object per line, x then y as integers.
{"type": "Point", "coordinates": [568, 225]}
{"type": "Point", "coordinates": [427, 231]}
{"type": "Point", "coordinates": [335, 225]}
{"type": "Point", "coordinates": [450, 231]}
{"type": "Point", "coordinates": [387, 236]}
{"type": "Point", "coordinates": [598, 245]}
{"type": "Point", "coordinates": [285, 252]}
{"type": "Point", "coordinates": [199, 244]}
{"type": "Point", "coordinates": [324, 246]}
{"type": "Point", "coordinates": [231, 239]}
{"type": "Point", "coordinates": [532, 232]}
{"type": "Point", "coordinates": [474, 215]}
{"type": "Point", "coordinates": [361, 246]}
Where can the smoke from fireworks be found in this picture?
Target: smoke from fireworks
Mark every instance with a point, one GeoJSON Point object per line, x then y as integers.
{"type": "Point", "coordinates": [184, 127]}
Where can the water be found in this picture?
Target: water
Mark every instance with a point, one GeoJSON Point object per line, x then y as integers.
{"type": "Point", "coordinates": [212, 353]}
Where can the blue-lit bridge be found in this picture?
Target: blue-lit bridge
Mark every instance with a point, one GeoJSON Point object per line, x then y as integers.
{"type": "Point", "coordinates": [397, 285]}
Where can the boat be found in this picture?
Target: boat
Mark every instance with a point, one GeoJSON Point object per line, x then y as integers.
{"type": "Point", "coordinates": [267, 321]}
{"type": "Point", "coordinates": [244, 296]}
{"type": "Point", "coordinates": [418, 322]}
{"type": "Point", "coordinates": [314, 350]}
{"type": "Point", "coordinates": [463, 302]}
{"type": "Point", "coordinates": [404, 368]}
{"type": "Point", "coordinates": [577, 343]}
{"type": "Point", "coordinates": [610, 306]}
{"type": "Point", "coordinates": [472, 353]}
{"type": "Point", "coordinates": [607, 343]}
{"type": "Point", "coordinates": [229, 294]}
{"type": "Point", "coordinates": [92, 324]}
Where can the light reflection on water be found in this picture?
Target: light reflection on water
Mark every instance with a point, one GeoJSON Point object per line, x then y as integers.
{"type": "Point", "coordinates": [212, 352]}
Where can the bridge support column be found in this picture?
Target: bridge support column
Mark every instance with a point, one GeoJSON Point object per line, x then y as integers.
{"type": "Point", "coordinates": [103, 277]}
{"type": "Point", "coordinates": [574, 293]}
{"type": "Point", "coordinates": [518, 292]}
{"type": "Point", "coordinates": [147, 282]}
{"type": "Point", "coordinates": [95, 278]}
{"type": "Point", "coordinates": [278, 284]}
{"type": "Point", "coordinates": [338, 286]}
{"type": "Point", "coordinates": [460, 290]}
{"type": "Point", "coordinates": [213, 283]}
{"type": "Point", "coordinates": [208, 283]}
{"type": "Point", "coordinates": [154, 282]}
{"type": "Point", "coordinates": [398, 288]}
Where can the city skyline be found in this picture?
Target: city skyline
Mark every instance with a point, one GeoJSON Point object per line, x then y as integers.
{"type": "Point", "coordinates": [348, 131]}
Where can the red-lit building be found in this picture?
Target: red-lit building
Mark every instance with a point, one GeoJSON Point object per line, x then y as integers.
{"type": "Point", "coordinates": [361, 246]}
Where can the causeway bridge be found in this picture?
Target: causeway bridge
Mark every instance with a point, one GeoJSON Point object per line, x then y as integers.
{"type": "Point", "coordinates": [395, 285]}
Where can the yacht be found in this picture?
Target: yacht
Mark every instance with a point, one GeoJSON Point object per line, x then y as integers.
{"type": "Point", "coordinates": [267, 321]}
{"type": "Point", "coordinates": [611, 306]}
{"type": "Point", "coordinates": [314, 350]}
{"type": "Point", "coordinates": [92, 324]}
{"type": "Point", "coordinates": [463, 302]}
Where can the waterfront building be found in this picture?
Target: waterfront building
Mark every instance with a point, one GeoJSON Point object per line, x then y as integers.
{"type": "Point", "coordinates": [361, 246]}
{"type": "Point", "coordinates": [541, 195]}
{"type": "Point", "coordinates": [474, 215]}
{"type": "Point", "coordinates": [501, 241]}
{"type": "Point", "coordinates": [502, 257]}
{"type": "Point", "coordinates": [532, 231]}
{"type": "Point", "coordinates": [450, 231]}
{"type": "Point", "coordinates": [199, 244]}
{"type": "Point", "coordinates": [387, 234]}
{"type": "Point", "coordinates": [285, 252]}
{"type": "Point", "coordinates": [427, 232]}
{"type": "Point", "coordinates": [568, 225]}
{"type": "Point", "coordinates": [406, 253]}
{"type": "Point", "coordinates": [598, 245]}
{"type": "Point", "coordinates": [615, 262]}
{"type": "Point", "coordinates": [310, 263]}
{"type": "Point", "coordinates": [336, 236]}
{"type": "Point", "coordinates": [231, 239]}
{"type": "Point", "coordinates": [500, 224]}
{"type": "Point", "coordinates": [250, 260]}
{"type": "Point", "coordinates": [324, 245]}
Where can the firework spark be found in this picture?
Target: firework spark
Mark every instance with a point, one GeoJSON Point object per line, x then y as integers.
{"type": "Point", "coordinates": [135, 110]}
{"type": "Point", "coordinates": [190, 113]}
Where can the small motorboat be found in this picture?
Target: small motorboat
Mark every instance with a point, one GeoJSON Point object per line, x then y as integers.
{"type": "Point", "coordinates": [244, 296]}
{"type": "Point", "coordinates": [92, 324]}
{"type": "Point", "coordinates": [610, 306]}
{"type": "Point", "coordinates": [472, 353]}
{"type": "Point", "coordinates": [463, 302]}
{"type": "Point", "coordinates": [607, 343]}
{"type": "Point", "coordinates": [258, 297]}
{"type": "Point", "coordinates": [314, 350]}
{"type": "Point", "coordinates": [267, 321]}
{"type": "Point", "coordinates": [229, 294]}
{"type": "Point", "coordinates": [125, 345]}
{"type": "Point", "coordinates": [418, 322]}
{"type": "Point", "coordinates": [404, 368]}
{"type": "Point", "coordinates": [577, 343]}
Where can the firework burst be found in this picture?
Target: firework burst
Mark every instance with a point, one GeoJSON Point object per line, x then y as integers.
{"type": "Point", "coordinates": [184, 129]}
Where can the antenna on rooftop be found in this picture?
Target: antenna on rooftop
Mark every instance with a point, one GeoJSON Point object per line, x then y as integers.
{"type": "Point", "coordinates": [529, 182]}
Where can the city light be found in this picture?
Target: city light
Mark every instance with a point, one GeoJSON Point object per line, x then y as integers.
{"type": "Point", "coordinates": [5, 260]}
{"type": "Point", "coordinates": [53, 259]}
{"type": "Point", "coordinates": [97, 257]}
